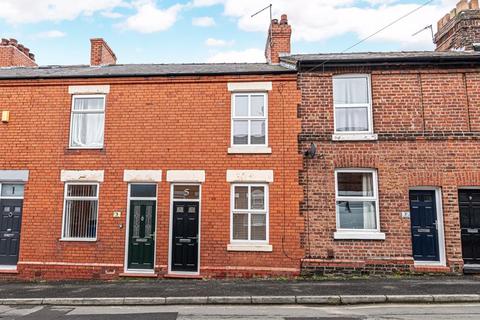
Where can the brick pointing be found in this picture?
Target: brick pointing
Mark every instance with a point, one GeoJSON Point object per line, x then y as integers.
{"type": "Point", "coordinates": [164, 124]}
{"type": "Point", "coordinates": [428, 126]}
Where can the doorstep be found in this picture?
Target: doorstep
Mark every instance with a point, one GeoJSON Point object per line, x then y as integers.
{"type": "Point", "coordinates": [138, 275]}
{"type": "Point", "coordinates": [431, 269]}
{"type": "Point", "coordinates": [182, 276]}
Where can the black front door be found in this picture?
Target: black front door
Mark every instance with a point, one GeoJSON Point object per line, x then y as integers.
{"type": "Point", "coordinates": [423, 216]}
{"type": "Point", "coordinates": [469, 202]}
{"type": "Point", "coordinates": [11, 215]}
{"type": "Point", "coordinates": [141, 244]}
{"type": "Point", "coordinates": [185, 236]}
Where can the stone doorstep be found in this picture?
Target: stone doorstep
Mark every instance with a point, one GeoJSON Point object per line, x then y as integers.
{"type": "Point", "coordinates": [266, 300]}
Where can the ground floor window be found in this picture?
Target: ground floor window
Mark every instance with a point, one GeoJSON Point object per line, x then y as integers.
{"type": "Point", "coordinates": [249, 216]}
{"type": "Point", "coordinates": [357, 199]}
{"type": "Point", "coordinates": [80, 211]}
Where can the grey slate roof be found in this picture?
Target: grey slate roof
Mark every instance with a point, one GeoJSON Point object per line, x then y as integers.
{"type": "Point", "coordinates": [140, 70]}
{"type": "Point", "coordinates": [385, 57]}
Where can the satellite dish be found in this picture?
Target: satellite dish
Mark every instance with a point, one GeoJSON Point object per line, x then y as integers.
{"type": "Point", "coordinates": [312, 151]}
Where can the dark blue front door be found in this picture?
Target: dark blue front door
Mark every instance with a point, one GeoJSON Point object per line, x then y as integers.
{"type": "Point", "coordinates": [423, 215]}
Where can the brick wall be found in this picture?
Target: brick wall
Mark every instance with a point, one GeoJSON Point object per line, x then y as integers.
{"type": "Point", "coordinates": [101, 53]}
{"type": "Point", "coordinates": [427, 126]}
{"type": "Point", "coordinates": [278, 41]}
{"type": "Point", "coordinates": [157, 123]}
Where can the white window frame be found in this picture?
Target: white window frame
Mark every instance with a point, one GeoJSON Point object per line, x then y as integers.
{"type": "Point", "coordinates": [72, 112]}
{"type": "Point", "coordinates": [367, 234]}
{"type": "Point", "coordinates": [65, 198]}
{"type": "Point", "coordinates": [249, 118]}
{"type": "Point", "coordinates": [355, 105]}
{"type": "Point", "coordinates": [250, 211]}
{"type": "Point", "coordinates": [11, 197]}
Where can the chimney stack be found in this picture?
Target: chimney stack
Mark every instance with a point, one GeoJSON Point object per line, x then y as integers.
{"type": "Point", "coordinates": [100, 53]}
{"type": "Point", "coordinates": [460, 28]}
{"type": "Point", "coordinates": [14, 54]}
{"type": "Point", "coordinates": [278, 41]}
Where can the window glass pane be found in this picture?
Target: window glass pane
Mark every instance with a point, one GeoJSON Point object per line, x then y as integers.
{"type": "Point", "coordinates": [350, 90]}
{"type": "Point", "coordinates": [240, 226]}
{"type": "Point", "coordinates": [258, 198]}
{"type": "Point", "coordinates": [143, 190]}
{"type": "Point", "coordinates": [357, 214]}
{"type": "Point", "coordinates": [351, 119]}
{"type": "Point", "coordinates": [257, 106]}
{"type": "Point", "coordinates": [240, 132]}
{"type": "Point", "coordinates": [241, 198]}
{"type": "Point", "coordinates": [355, 184]}
{"type": "Point", "coordinates": [80, 219]}
{"type": "Point", "coordinates": [186, 192]}
{"type": "Point", "coordinates": [241, 106]}
{"type": "Point", "coordinates": [81, 190]}
{"type": "Point", "coordinates": [84, 104]}
{"type": "Point", "coordinates": [12, 190]}
{"type": "Point", "coordinates": [87, 130]}
{"type": "Point", "coordinates": [258, 132]}
{"type": "Point", "coordinates": [259, 227]}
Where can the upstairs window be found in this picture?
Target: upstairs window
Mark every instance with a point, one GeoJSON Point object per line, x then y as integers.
{"type": "Point", "coordinates": [249, 119]}
{"type": "Point", "coordinates": [87, 122]}
{"type": "Point", "coordinates": [352, 104]}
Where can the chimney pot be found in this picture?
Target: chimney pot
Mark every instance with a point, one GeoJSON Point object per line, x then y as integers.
{"type": "Point", "coordinates": [284, 19]}
{"type": "Point", "coordinates": [13, 41]}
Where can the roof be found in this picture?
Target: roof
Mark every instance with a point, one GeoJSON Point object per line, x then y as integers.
{"type": "Point", "coordinates": [139, 70]}
{"type": "Point", "coordinates": [385, 58]}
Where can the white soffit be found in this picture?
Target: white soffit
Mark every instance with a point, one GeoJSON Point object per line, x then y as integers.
{"type": "Point", "coordinates": [249, 175]}
{"type": "Point", "coordinates": [142, 175]}
{"type": "Point", "coordinates": [82, 175]}
{"type": "Point", "coordinates": [186, 176]}
{"type": "Point", "coordinates": [88, 89]}
{"type": "Point", "coordinates": [249, 86]}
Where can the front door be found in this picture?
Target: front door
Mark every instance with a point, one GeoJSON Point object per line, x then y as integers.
{"type": "Point", "coordinates": [185, 236]}
{"type": "Point", "coordinates": [469, 202]}
{"type": "Point", "coordinates": [141, 244]}
{"type": "Point", "coordinates": [423, 216]}
{"type": "Point", "coordinates": [11, 220]}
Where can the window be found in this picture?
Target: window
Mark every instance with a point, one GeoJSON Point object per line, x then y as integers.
{"type": "Point", "coordinates": [249, 119]}
{"type": "Point", "coordinates": [80, 212]}
{"type": "Point", "coordinates": [352, 103]}
{"type": "Point", "coordinates": [249, 213]}
{"type": "Point", "coordinates": [87, 121]}
{"type": "Point", "coordinates": [11, 191]}
{"type": "Point", "coordinates": [357, 200]}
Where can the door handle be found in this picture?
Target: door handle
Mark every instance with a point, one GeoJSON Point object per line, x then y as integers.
{"type": "Point", "coordinates": [185, 240]}
{"type": "Point", "coordinates": [8, 230]}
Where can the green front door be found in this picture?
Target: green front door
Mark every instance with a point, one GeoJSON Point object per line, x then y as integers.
{"type": "Point", "coordinates": [141, 242]}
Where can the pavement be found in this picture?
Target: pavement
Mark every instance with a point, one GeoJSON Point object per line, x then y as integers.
{"type": "Point", "coordinates": [240, 312]}
{"type": "Point", "coordinates": [440, 289]}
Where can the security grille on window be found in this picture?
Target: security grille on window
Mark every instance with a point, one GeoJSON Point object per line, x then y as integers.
{"type": "Point", "coordinates": [357, 200]}
{"type": "Point", "coordinates": [87, 123]}
{"type": "Point", "coordinates": [249, 119]}
{"type": "Point", "coordinates": [249, 213]}
{"type": "Point", "coordinates": [81, 212]}
{"type": "Point", "coordinates": [352, 102]}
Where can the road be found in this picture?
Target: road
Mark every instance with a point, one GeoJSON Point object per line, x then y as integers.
{"type": "Point", "coordinates": [297, 312]}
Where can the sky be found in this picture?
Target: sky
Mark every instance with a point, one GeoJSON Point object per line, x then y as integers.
{"type": "Point", "coordinates": [207, 31]}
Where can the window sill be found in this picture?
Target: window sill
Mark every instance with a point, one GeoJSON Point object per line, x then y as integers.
{"type": "Point", "coordinates": [77, 240]}
{"type": "Point", "coordinates": [249, 150]}
{"type": "Point", "coordinates": [355, 137]}
{"type": "Point", "coordinates": [245, 247]}
{"type": "Point", "coordinates": [356, 235]}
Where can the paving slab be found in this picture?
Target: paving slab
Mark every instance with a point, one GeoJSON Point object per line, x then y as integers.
{"type": "Point", "coordinates": [318, 300]}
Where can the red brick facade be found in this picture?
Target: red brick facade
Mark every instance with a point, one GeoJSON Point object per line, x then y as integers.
{"type": "Point", "coordinates": [159, 123]}
{"type": "Point", "coordinates": [101, 53]}
{"type": "Point", "coordinates": [427, 126]}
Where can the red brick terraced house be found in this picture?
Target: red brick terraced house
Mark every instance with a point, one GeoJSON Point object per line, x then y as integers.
{"type": "Point", "coordinates": [111, 170]}
{"type": "Point", "coordinates": [392, 177]}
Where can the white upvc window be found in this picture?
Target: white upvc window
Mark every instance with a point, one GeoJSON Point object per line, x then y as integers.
{"type": "Point", "coordinates": [357, 202]}
{"type": "Point", "coordinates": [352, 100]}
{"type": "Point", "coordinates": [80, 213]}
{"type": "Point", "coordinates": [87, 122]}
{"type": "Point", "coordinates": [249, 213]}
{"type": "Point", "coordinates": [249, 119]}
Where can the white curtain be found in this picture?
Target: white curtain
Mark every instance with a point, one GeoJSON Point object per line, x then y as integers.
{"type": "Point", "coordinates": [369, 217]}
{"type": "Point", "coordinates": [350, 90]}
{"type": "Point", "coordinates": [351, 119]}
{"type": "Point", "coordinates": [87, 130]}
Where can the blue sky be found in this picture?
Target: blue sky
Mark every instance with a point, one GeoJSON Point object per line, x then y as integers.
{"type": "Point", "coordinates": [168, 31]}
